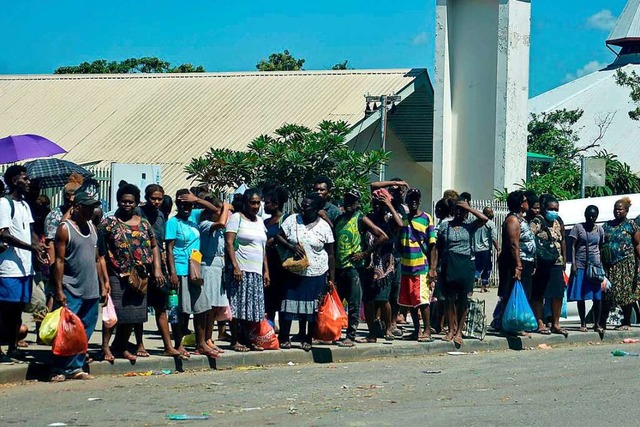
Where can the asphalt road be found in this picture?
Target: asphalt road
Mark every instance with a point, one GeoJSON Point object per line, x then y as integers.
{"type": "Point", "coordinates": [565, 386]}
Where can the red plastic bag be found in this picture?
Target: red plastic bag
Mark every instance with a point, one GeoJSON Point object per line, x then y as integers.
{"type": "Point", "coordinates": [331, 318]}
{"type": "Point", "coordinates": [264, 336]}
{"type": "Point", "coordinates": [71, 338]}
{"type": "Point", "coordinates": [345, 319]}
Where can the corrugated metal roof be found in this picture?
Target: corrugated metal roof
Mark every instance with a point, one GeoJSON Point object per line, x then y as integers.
{"type": "Point", "coordinates": [628, 25]}
{"type": "Point", "coordinates": [598, 95]}
{"type": "Point", "coordinates": [168, 119]}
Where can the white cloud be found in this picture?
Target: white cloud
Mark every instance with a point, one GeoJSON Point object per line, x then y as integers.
{"type": "Point", "coordinates": [603, 20]}
{"type": "Point", "coordinates": [420, 39]}
{"type": "Point", "coordinates": [588, 68]}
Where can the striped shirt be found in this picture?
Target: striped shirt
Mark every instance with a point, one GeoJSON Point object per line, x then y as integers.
{"type": "Point", "coordinates": [251, 238]}
{"type": "Point", "coordinates": [413, 261]}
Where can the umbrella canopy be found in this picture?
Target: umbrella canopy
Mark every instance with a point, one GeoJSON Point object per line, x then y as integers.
{"type": "Point", "coordinates": [54, 172]}
{"type": "Point", "coordinates": [14, 148]}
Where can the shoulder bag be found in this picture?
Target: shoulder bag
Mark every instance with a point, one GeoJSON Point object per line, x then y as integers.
{"type": "Point", "coordinates": [459, 269]}
{"type": "Point", "coordinates": [194, 260]}
{"type": "Point", "coordinates": [594, 272]}
{"type": "Point", "coordinates": [138, 276]}
{"type": "Point", "coordinates": [546, 252]}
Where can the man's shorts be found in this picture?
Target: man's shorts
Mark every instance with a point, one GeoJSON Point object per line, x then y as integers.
{"type": "Point", "coordinates": [16, 289]}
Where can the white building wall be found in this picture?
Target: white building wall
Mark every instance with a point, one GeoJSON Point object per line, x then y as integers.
{"type": "Point", "coordinates": [477, 138]}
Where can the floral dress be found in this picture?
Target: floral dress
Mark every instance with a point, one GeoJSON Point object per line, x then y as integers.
{"type": "Point", "coordinates": [620, 262]}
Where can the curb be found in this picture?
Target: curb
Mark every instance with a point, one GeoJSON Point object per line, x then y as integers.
{"type": "Point", "coordinates": [319, 354]}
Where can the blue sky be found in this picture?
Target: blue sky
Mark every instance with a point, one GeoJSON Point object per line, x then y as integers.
{"type": "Point", "coordinates": [38, 36]}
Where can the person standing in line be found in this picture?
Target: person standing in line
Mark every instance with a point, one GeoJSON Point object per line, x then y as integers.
{"type": "Point", "coordinates": [620, 254]}
{"type": "Point", "coordinates": [157, 293]}
{"type": "Point", "coordinates": [130, 244]}
{"type": "Point", "coordinates": [248, 275]}
{"type": "Point", "coordinates": [455, 250]}
{"type": "Point", "coordinates": [351, 258]}
{"type": "Point", "coordinates": [16, 257]}
{"type": "Point", "coordinates": [418, 261]}
{"type": "Point", "coordinates": [587, 238]}
{"type": "Point", "coordinates": [485, 238]}
{"type": "Point", "coordinates": [330, 212]}
{"type": "Point", "coordinates": [212, 228]}
{"type": "Point", "coordinates": [79, 280]}
{"type": "Point", "coordinates": [274, 202]}
{"type": "Point", "coordinates": [182, 238]}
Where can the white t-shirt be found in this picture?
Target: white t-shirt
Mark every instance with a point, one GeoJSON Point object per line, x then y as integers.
{"type": "Point", "coordinates": [312, 238]}
{"type": "Point", "coordinates": [251, 238]}
{"type": "Point", "coordinates": [16, 262]}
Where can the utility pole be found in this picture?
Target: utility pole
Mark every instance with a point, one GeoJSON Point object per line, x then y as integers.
{"type": "Point", "coordinates": [386, 102]}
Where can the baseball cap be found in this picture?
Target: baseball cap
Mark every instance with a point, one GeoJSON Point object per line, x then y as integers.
{"type": "Point", "coordinates": [413, 193]}
{"type": "Point", "coordinates": [353, 193]}
{"type": "Point", "coordinates": [82, 198]}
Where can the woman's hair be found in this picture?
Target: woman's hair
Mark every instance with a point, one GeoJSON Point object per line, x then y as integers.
{"type": "Point", "coordinates": [279, 195]}
{"type": "Point", "coordinates": [592, 208]}
{"type": "Point", "coordinates": [215, 201]}
{"type": "Point", "coordinates": [514, 200]}
{"type": "Point", "coordinates": [548, 199]}
{"type": "Point", "coordinates": [73, 183]}
{"type": "Point", "coordinates": [626, 203]}
{"type": "Point", "coordinates": [128, 189]}
{"type": "Point", "coordinates": [317, 202]}
{"type": "Point", "coordinates": [182, 192]}
{"type": "Point", "coordinates": [532, 197]}
{"type": "Point", "coordinates": [167, 205]}
{"type": "Point", "coordinates": [43, 200]}
{"type": "Point", "coordinates": [249, 194]}
{"type": "Point", "coordinates": [152, 188]}
{"type": "Point", "coordinates": [450, 194]}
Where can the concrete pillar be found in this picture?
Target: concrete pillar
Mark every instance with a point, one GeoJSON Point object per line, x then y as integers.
{"type": "Point", "coordinates": [481, 95]}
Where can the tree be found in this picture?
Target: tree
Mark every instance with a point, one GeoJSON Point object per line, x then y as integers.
{"type": "Point", "coordinates": [341, 66]}
{"type": "Point", "coordinates": [294, 157]}
{"type": "Point", "coordinates": [280, 62]}
{"type": "Point", "coordinates": [553, 134]}
{"type": "Point", "coordinates": [129, 66]}
{"type": "Point", "coordinates": [632, 81]}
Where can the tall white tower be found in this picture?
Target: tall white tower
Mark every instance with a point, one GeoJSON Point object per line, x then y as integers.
{"type": "Point", "coordinates": [481, 95]}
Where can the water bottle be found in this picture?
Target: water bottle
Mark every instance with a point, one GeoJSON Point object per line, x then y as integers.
{"type": "Point", "coordinates": [173, 307]}
{"type": "Point", "coordinates": [620, 353]}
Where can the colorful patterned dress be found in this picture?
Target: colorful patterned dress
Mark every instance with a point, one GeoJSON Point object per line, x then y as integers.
{"type": "Point", "coordinates": [620, 262]}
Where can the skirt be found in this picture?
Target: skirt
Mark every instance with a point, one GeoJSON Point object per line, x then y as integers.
{"type": "Point", "coordinates": [246, 298]}
{"type": "Point", "coordinates": [377, 290]}
{"type": "Point", "coordinates": [581, 288]}
{"type": "Point", "coordinates": [301, 297]}
{"type": "Point", "coordinates": [131, 307]}
{"type": "Point", "coordinates": [624, 280]}
{"type": "Point", "coordinates": [548, 283]}
{"type": "Point", "coordinates": [192, 299]}
{"type": "Point", "coordinates": [212, 275]}
{"type": "Point", "coordinates": [506, 271]}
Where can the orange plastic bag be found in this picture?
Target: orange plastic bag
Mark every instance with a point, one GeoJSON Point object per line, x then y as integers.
{"type": "Point", "coordinates": [71, 338]}
{"type": "Point", "coordinates": [264, 336]}
{"type": "Point", "coordinates": [331, 318]}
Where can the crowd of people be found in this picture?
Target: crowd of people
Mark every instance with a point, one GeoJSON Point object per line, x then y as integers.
{"type": "Point", "coordinates": [235, 264]}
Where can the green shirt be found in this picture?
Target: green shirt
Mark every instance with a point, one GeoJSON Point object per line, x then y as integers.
{"type": "Point", "coordinates": [348, 239]}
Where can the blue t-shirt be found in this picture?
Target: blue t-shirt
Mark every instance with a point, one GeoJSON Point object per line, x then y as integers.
{"type": "Point", "coordinates": [187, 239]}
{"type": "Point", "coordinates": [211, 242]}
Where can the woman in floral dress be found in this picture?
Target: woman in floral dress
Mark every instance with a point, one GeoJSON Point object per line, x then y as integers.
{"type": "Point", "coordinates": [620, 255]}
{"type": "Point", "coordinates": [130, 241]}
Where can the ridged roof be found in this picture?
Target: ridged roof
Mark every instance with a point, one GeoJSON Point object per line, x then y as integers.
{"type": "Point", "coordinates": [168, 119]}
{"type": "Point", "coordinates": [628, 26]}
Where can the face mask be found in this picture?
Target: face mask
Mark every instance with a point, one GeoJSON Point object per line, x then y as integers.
{"type": "Point", "coordinates": [551, 215]}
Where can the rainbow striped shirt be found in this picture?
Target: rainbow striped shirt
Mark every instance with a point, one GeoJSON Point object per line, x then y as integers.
{"type": "Point", "coordinates": [413, 262]}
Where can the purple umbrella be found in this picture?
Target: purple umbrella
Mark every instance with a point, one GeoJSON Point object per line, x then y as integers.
{"type": "Point", "coordinates": [14, 148]}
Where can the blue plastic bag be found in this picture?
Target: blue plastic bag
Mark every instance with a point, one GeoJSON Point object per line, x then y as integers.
{"type": "Point", "coordinates": [518, 316]}
{"type": "Point", "coordinates": [547, 307]}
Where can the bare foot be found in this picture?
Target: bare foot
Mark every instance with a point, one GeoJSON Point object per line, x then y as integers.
{"type": "Point", "coordinates": [107, 356]}
{"type": "Point", "coordinates": [458, 340]}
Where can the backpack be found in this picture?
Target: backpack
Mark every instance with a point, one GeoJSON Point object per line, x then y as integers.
{"type": "Point", "coordinates": [11, 204]}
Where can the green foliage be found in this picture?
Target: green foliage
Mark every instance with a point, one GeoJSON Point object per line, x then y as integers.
{"type": "Point", "coordinates": [129, 66]}
{"type": "Point", "coordinates": [280, 62]}
{"type": "Point", "coordinates": [632, 81]}
{"type": "Point", "coordinates": [294, 157]}
{"type": "Point", "coordinates": [342, 66]}
{"type": "Point", "coordinates": [553, 134]}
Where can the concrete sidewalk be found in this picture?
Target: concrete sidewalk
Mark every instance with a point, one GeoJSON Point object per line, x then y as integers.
{"type": "Point", "coordinates": [37, 357]}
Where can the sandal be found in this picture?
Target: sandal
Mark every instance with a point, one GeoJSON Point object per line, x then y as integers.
{"type": "Point", "coordinates": [57, 378]}
{"type": "Point", "coordinates": [367, 340]}
{"type": "Point", "coordinates": [560, 331]}
{"type": "Point", "coordinates": [305, 346]}
{"type": "Point", "coordinates": [142, 353]}
{"type": "Point", "coordinates": [81, 375]}
{"type": "Point", "coordinates": [240, 348]}
{"type": "Point", "coordinates": [389, 337]}
{"type": "Point", "coordinates": [126, 355]}
{"type": "Point", "coordinates": [583, 329]}
{"type": "Point", "coordinates": [286, 345]}
{"type": "Point", "coordinates": [458, 341]}
{"type": "Point", "coordinates": [177, 354]}
{"type": "Point", "coordinates": [622, 328]}
{"type": "Point", "coordinates": [254, 347]}
{"type": "Point", "coordinates": [544, 331]}
{"type": "Point", "coordinates": [425, 338]}
{"type": "Point", "coordinates": [347, 343]}
{"type": "Point", "coordinates": [108, 357]}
